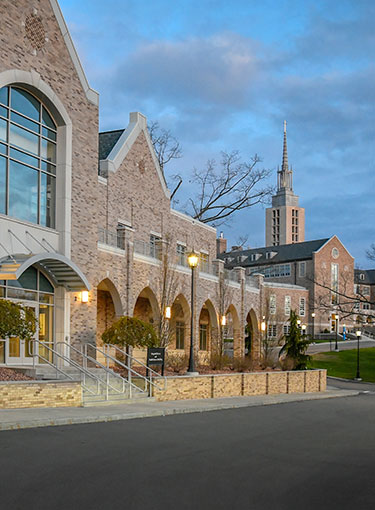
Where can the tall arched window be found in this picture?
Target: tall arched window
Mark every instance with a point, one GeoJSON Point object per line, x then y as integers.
{"type": "Point", "coordinates": [27, 158]}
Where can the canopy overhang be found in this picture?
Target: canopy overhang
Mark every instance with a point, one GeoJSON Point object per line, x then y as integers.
{"type": "Point", "coordinates": [61, 270]}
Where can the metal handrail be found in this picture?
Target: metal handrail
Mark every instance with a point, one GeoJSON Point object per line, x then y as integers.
{"type": "Point", "coordinates": [109, 357]}
{"type": "Point", "coordinates": [131, 358]}
{"type": "Point", "coordinates": [64, 358]}
{"type": "Point", "coordinates": [107, 371]}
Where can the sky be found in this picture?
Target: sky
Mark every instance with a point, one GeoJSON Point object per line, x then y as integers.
{"type": "Point", "coordinates": [223, 76]}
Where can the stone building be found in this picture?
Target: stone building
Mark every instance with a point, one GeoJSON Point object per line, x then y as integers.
{"type": "Point", "coordinates": [364, 288]}
{"type": "Point", "coordinates": [87, 231]}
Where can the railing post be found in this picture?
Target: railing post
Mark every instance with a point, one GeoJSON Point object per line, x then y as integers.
{"type": "Point", "coordinates": [106, 391]}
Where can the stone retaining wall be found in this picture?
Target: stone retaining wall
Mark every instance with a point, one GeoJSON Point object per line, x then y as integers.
{"type": "Point", "coordinates": [247, 384]}
{"type": "Point", "coordinates": [17, 395]}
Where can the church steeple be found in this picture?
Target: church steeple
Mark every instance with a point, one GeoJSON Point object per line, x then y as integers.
{"type": "Point", "coordinates": [285, 176]}
{"type": "Point", "coordinates": [285, 220]}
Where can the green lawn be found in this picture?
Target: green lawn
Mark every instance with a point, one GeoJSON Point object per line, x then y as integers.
{"type": "Point", "coordinates": [344, 363]}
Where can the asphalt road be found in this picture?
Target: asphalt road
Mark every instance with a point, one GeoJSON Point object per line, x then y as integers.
{"type": "Point", "coordinates": [307, 455]}
{"type": "Point", "coordinates": [343, 346]}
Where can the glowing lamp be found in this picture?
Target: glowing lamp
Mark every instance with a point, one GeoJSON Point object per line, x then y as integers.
{"type": "Point", "coordinates": [223, 320]}
{"type": "Point", "coordinates": [168, 312]}
{"type": "Point", "coordinates": [193, 259]}
{"type": "Point", "coordinates": [263, 326]}
{"type": "Point", "coordinates": [84, 296]}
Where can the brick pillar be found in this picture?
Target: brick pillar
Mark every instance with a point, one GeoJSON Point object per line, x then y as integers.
{"type": "Point", "coordinates": [239, 333]}
{"type": "Point", "coordinates": [256, 343]}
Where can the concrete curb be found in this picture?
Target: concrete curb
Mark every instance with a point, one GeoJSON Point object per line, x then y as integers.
{"type": "Point", "coordinates": [17, 419]}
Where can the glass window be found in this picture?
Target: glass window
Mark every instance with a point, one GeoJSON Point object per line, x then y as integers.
{"type": "Point", "coordinates": [3, 130]}
{"type": "Point", "coordinates": [27, 193]}
{"type": "Point", "coordinates": [23, 139]}
{"type": "Point", "coordinates": [204, 265]}
{"type": "Point", "coordinates": [3, 183]}
{"type": "Point", "coordinates": [302, 269]}
{"type": "Point", "coordinates": [29, 124]}
{"type": "Point", "coordinates": [22, 101]}
{"type": "Point", "coordinates": [287, 305]}
{"type": "Point", "coordinates": [302, 306]}
{"type": "Point", "coordinates": [4, 95]}
{"type": "Point", "coordinates": [3, 111]}
{"type": "Point", "coordinates": [273, 304]}
{"type": "Point", "coordinates": [203, 337]}
{"type": "Point", "coordinates": [47, 200]}
{"type": "Point", "coordinates": [47, 119]}
{"type": "Point", "coordinates": [48, 151]}
{"type": "Point", "coordinates": [24, 158]}
{"type": "Point", "coordinates": [180, 335]}
{"type": "Point", "coordinates": [23, 192]}
{"type": "Point", "coordinates": [181, 255]}
{"type": "Point", "coordinates": [44, 284]}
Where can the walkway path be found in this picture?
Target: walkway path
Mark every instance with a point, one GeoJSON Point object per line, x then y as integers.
{"type": "Point", "coordinates": [27, 418]}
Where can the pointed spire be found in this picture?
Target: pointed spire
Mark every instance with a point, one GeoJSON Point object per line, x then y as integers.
{"type": "Point", "coordinates": [284, 166]}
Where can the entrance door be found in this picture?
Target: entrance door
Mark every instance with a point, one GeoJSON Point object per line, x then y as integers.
{"type": "Point", "coordinates": [20, 352]}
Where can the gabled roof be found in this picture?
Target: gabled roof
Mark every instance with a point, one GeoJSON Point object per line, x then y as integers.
{"type": "Point", "coordinates": [107, 140]}
{"type": "Point", "coordinates": [368, 276]}
{"type": "Point", "coordinates": [112, 161]}
{"type": "Point", "coordinates": [282, 253]}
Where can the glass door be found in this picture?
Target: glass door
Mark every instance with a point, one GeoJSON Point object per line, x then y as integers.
{"type": "Point", "coordinates": [20, 352]}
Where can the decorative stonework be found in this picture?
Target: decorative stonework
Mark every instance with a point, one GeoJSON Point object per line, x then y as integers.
{"type": "Point", "coordinates": [35, 31]}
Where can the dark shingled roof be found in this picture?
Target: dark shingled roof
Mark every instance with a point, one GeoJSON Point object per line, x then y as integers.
{"type": "Point", "coordinates": [107, 141]}
{"type": "Point", "coordinates": [284, 253]}
{"type": "Point", "coordinates": [369, 276]}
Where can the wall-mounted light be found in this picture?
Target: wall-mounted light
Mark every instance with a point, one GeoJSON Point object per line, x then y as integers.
{"type": "Point", "coordinates": [263, 326]}
{"type": "Point", "coordinates": [84, 296]}
{"type": "Point", "coordinates": [168, 312]}
{"type": "Point", "coordinates": [313, 315]}
{"type": "Point", "coordinates": [223, 320]}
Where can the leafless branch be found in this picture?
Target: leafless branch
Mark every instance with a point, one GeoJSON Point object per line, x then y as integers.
{"type": "Point", "coordinates": [166, 146]}
{"type": "Point", "coordinates": [229, 187]}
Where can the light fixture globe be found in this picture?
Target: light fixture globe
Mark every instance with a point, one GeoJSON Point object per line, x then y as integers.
{"type": "Point", "coordinates": [193, 259]}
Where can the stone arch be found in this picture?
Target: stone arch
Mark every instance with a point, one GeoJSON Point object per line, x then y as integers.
{"type": "Point", "coordinates": [180, 323]}
{"type": "Point", "coordinates": [146, 306]}
{"type": "Point", "coordinates": [108, 307]}
{"type": "Point", "coordinates": [252, 335]}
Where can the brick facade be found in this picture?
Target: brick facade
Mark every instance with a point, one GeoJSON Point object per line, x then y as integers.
{"type": "Point", "coordinates": [124, 279]}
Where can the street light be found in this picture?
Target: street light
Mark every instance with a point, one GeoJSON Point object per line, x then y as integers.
{"type": "Point", "coordinates": [313, 324]}
{"type": "Point", "coordinates": [336, 324]}
{"type": "Point", "coordinates": [303, 329]}
{"type": "Point", "coordinates": [193, 262]}
{"type": "Point", "coordinates": [358, 376]}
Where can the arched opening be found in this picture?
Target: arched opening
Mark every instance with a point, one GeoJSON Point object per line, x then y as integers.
{"type": "Point", "coordinates": [109, 308]}
{"type": "Point", "coordinates": [251, 335]}
{"type": "Point", "coordinates": [146, 307]}
{"type": "Point", "coordinates": [232, 335]}
{"type": "Point", "coordinates": [208, 332]}
{"type": "Point", "coordinates": [179, 324]}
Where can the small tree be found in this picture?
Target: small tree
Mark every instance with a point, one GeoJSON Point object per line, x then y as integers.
{"type": "Point", "coordinates": [295, 344]}
{"type": "Point", "coordinates": [131, 332]}
{"type": "Point", "coordinates": [16, 320]}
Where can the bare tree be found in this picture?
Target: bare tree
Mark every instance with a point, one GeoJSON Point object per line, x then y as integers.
{"type": "Point", "coordinates": [166, 146]}
{"type": "Point", "coordinates": [370, 253]}
{"type": "Point", "coordinates": [229, 187]}
{"type": "Point", "coordinates": [167, 284]}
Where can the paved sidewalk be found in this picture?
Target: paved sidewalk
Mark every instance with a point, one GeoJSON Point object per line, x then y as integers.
{"type": "Point", "coordinates": [12, 419]}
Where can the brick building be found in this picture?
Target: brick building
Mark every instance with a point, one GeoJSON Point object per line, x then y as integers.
{"type": "Point", "coordinates": [87, 232]}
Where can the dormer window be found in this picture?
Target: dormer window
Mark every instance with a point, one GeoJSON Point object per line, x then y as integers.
{"type": "Point", "coordinates": [361, 276]}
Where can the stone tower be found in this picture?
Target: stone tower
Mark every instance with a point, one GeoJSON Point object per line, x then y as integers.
{"type": "Point", "coordinates": [285, 220]}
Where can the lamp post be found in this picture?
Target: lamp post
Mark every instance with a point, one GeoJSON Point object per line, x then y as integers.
{"type": "Point", "coordinates": [303, 329]}
{"type": "Point", "coordinates": [263, 329]}
{"type": "Point", "coordinates": [193, 262]}
{"type": "Point", "coordinates": [313, 324]}
{"type": "Point", "coordinates": [336, 324]}
{"type": "Point", "coordinates": [358, 376]}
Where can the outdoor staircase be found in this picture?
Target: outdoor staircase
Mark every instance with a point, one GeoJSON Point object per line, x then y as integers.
{"type": "Point", "coordinates": [101, 385]}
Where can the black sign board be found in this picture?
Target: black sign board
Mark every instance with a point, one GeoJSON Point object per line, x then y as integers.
{"type": "Point", "coordinates": [155, 356]}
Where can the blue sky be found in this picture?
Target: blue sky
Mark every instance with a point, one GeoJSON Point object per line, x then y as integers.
{"type": "Point", "coordinates": [224, 76]}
